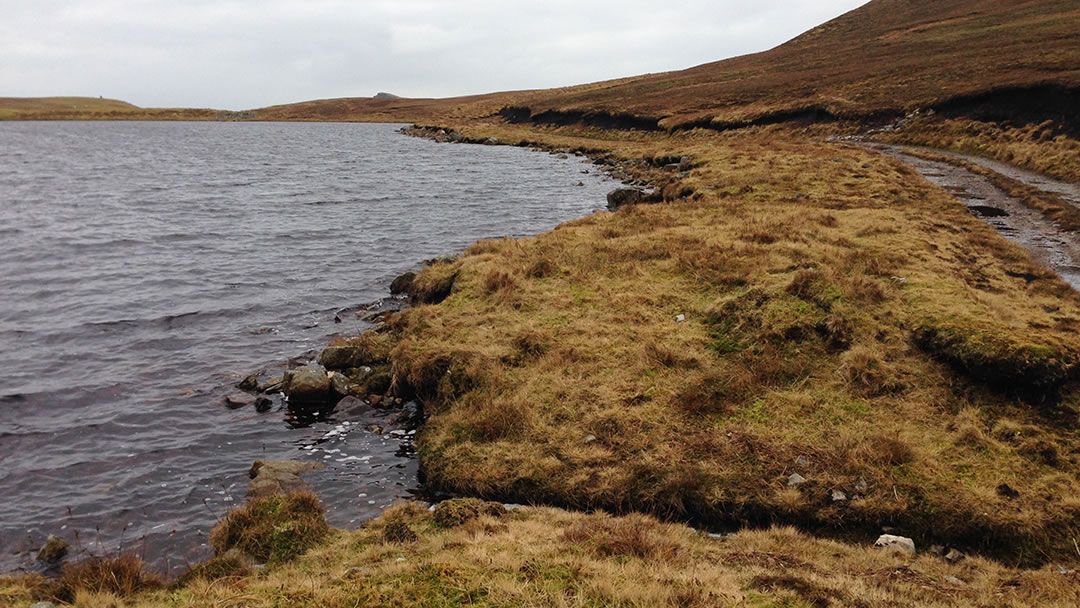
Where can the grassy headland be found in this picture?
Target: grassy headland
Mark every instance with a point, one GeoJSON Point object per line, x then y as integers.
{"type": "Point", "coordinates": [800, 332]}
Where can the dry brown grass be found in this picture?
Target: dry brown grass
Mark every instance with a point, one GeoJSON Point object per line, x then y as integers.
{"type": "Point", "coordinates": [548, 557]}
{"type": "Point", "coordinates": [837, 306]}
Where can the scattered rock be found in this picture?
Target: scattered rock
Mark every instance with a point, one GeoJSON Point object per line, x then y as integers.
{"type": "Point", "coordinates": [239, 400]}
{"type": "Point", "coordinates": [270, 477]}
{"type": "Point", "coordinates": [624, 196]}
{"type": "Point", "coordinates": [43, 605]}
{"type": "Point", "coordinates": [896, 544]}
{"type": "Point", "coordinates": [795, 480]}
{"type": "Point", "coordinates": [861, 485]}
{"type": "Point", "coordinates": [937, 550]}
{"type": "Point", "coordinates": [54, 550]}
{"type": "Point", "coordinates": [1007, 491]}
{"type": "Point", "coordinates": [351, 407]}
{"type": "Point", "coordinates": [375, 400]}
{"type": "Point", "coordinates": [838, 496]}
{"type": "Point", "coordinates": [339, 384]}
{"type": "Point", "coordinates": [272, 385]}
{"type": "Point", "coordinates": [249, 383]}
{"type": "Point", "coordinates": [680, 318]}
{"type": "Point", "coordinates": [590, 439]}
{"type": "Point", "coordinates": [403, 283]}
{"type": "Point", "coordinates": [562, 156]}
{"type": "Point", "coordinates": [263, 404]}
{"type": "Point", "coordinates": [455, 137]}
{"type": "Point", "coordinates": [952, 580]}
{"type": "Point", "coordinates": [580, 184]}
{"type": "Point", "coordinates": [491, 141]}
{"type": "Point", "coordinates": [307, 384]}
{"type": "Point", "coordinates": [1062, 570]}
{"type": "Point", "coordinates": [954, 556]}
{"type": "Point", "coordinates": [802, 461]}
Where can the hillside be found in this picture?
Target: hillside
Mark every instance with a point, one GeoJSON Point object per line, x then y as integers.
{"type": "Point", "coordinates": [877, 61]}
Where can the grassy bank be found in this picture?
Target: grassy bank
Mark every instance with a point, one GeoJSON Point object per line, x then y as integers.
{"type": "Point", "coordinates": [844, 320]}
{"type": "Point", "coordinates": [548, 557]}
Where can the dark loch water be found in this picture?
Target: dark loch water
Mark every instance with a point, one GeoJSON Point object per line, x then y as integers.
{"type": "Point", "coordinates": [146, 267]}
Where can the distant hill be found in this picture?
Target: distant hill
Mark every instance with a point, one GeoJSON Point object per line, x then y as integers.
{"type": "Point", "coordinates": [10, 106]}
{"type": "Point", "coordinates": [385, 96]}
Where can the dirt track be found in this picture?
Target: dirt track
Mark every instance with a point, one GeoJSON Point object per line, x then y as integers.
{"type": "Point", "coordinates": [1051, 245]}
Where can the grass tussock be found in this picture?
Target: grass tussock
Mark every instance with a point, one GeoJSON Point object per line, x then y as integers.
{"type": "Point", "coordinates": [121, 576]}
{"type": "Point", "coordinates": [273, 529]}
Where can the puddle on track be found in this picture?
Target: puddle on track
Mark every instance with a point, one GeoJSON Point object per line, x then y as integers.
{"type": "Point", "coordinates": [1051, 245]}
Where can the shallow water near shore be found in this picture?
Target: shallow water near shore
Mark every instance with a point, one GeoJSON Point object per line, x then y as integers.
{"type": "Point", "coordinates": [146, 267]}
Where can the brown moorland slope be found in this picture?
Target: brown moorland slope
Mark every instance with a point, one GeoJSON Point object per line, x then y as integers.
{"type": "Point", "coordinates": [882, 59]}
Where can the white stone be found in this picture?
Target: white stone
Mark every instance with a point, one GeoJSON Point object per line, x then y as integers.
{"type": "Point", "coordinates": [896, 544]}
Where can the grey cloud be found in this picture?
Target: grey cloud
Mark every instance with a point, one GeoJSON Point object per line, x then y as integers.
{"type": "Point", "coordinates": [243, 54]}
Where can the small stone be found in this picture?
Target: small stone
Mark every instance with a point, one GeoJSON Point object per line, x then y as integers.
{"type": "Point", "coordinates": [374, 400]}
{"type": "Point", "coordinates": [795, 480]}
{"type": "Point", "coordinates": [896, 544]}
{"type": "Point", "coordinates": [54, 549]}
{"type": "Point", "coordinates": [680, 318]}
{"type": "Point", "coordinates": [590, 439]}
{"type": "Point", "coordinates": [43, 605]}
{"type": "Point", "coordinates": [900, 280]}
{"type": "Point", "coordinates": [937, 550]}
{"type": "Point", "coordinates": [954, 556]}
{"type": "Point", "coordinates": [802, 461]}
{"type": "Point", "coordinates": [1062, 570]}
{"type": "Point", "coordinates": [861, 485]}
{"type": "Point", "coordinates": [358, 571]}
{"type": "Point", "coordinates": [263, 404]}
{"type": "Point", "coordinates": [249, 383]}
{"type": "Point", "coordinates": [952, 580]}
{"type": "Point", "coordinates": [838, 496]}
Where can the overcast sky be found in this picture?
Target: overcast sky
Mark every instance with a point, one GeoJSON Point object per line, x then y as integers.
{"type": "Point", "coordinates": [238, 54]}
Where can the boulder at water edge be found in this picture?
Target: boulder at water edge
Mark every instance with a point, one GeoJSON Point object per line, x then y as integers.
{"type": "Point", "coordinates": [624, 196]}
{"type": "Point", "coordinates": [307, 385]}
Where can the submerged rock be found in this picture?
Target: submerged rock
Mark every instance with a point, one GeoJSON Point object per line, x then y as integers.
{"type": "Point", "coordinates": [239, 400]}
{"type": "Point", "coordinates": [307, 385]}
{"type": "Point", "coordinates": [272, 385]}
{"type": "Point", "coordinates": [270, 477]}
